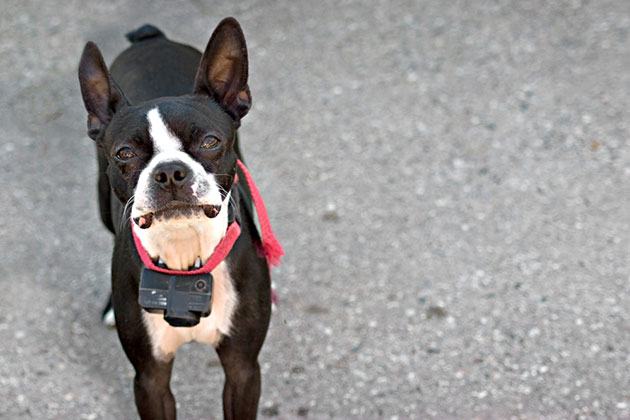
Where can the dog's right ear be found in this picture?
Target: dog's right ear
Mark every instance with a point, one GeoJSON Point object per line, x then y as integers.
{"type": "Point", "coordinates": [101, 96]}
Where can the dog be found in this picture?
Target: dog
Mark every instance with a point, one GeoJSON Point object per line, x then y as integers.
{"type": "Point", "coordinates": [173, 190]}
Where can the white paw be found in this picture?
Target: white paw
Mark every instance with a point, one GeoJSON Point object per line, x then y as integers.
{"type": "Point", "coordinates": [108, 319]}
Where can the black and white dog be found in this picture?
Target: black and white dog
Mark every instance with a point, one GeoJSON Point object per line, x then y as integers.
{"type": "Point", "coordinates": [170, 181]}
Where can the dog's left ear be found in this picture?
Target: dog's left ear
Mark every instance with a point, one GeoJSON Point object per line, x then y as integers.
{"type": "Point", "coordinates": [101, 96]}
{"type": "Point", "coordinates": [222, 72]}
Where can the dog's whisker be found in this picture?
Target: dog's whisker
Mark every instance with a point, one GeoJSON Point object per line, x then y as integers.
{"type": "Point", "coordinates": [126, 209]}
{"type": "Point", "coordinates": [225, 193]}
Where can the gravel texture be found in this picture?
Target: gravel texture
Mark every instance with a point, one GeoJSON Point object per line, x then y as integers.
{"type": "Point", "coordinates": [450, 180]}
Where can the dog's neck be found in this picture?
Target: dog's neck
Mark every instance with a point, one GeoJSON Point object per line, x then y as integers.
{"type": "Point", "coordinates": [179, 241]}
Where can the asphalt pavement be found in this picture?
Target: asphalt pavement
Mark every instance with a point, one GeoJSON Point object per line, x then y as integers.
{"type": "Point", "coordinates": [450, 181]}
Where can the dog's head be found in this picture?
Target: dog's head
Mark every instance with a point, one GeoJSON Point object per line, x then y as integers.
{"type": "Point", "coordinates": [174, 157]}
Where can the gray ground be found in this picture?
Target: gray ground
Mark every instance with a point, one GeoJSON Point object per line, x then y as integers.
{"type": "Point", "coordinates": [449, 180]}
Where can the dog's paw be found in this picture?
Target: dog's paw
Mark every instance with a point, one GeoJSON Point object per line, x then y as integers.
{"type": "Point", "coordinates": [108, 318]}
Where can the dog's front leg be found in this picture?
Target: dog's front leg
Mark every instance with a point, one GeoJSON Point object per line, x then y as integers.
{"type": "Point", "coordinates": [151, 386]}
{"type": "Point", "coordinates": [241, 391]}
{"type": "Point", "coordinates": [154, 399]}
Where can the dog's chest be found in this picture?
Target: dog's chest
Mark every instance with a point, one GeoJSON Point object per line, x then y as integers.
{"type": "Point", "coordinates": [165, 339]}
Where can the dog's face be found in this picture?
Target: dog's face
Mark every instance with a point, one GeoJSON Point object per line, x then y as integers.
{"type": "Point", "coordinates": [177, 158]}
{"type": "Point", "coordinates": [173, 156]}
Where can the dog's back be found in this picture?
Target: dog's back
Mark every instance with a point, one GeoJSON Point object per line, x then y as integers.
{"type": "Point", "coordinates": [154, 66]}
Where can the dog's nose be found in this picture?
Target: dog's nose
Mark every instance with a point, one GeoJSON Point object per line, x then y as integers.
{"type": "Point", "coordinates": [171, 174]}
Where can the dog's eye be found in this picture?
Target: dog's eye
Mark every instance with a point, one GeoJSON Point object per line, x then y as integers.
{"type": "Point", "coordinates": [125, 153]}
{"type": "Point", "coordinates": [209, 142]}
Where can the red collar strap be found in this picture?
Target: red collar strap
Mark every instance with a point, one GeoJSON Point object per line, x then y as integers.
{"type": "Point", "coordinates": [220, 252]}
{"type": "Point", "coordinates": [271, 248]}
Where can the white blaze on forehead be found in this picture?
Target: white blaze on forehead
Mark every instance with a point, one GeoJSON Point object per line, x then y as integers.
{"type": "Point", "coordinates": [163, 139]}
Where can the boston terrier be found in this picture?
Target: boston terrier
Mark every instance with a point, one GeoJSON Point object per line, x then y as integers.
{"type": "Point", "coordinates": [192, 246]}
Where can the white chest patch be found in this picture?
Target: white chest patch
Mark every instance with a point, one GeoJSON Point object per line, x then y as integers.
{"type": "Point", "coordinates": [166, 339]}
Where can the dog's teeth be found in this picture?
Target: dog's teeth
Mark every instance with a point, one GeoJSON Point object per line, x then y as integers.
{"type": "Point", "coordinates": [198, 263]}
{"type": "Point", "coordinates": [211, 210]}
{"type": "Point", "coordinates": [160, 262]}
{"type": "Point", "coordinates": [145, 221]}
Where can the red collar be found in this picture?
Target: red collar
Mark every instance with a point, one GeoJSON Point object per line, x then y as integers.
{"type": "Point", "coordinates": [220, 252]}
{"type": "Point", "coordinates": [271, 248]}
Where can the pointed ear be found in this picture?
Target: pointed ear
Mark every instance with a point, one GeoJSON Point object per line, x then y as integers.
{"type": "Point", "coordinates": [222, 72]}
{"type": "Point", "coordinates": [101, 96]}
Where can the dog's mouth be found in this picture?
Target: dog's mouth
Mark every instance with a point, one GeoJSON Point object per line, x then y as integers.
{"type": "Point", "coordinates": [176, 209]}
